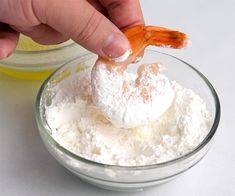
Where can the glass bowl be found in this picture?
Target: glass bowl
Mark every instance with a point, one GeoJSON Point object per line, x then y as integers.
{"type": "Point", "coordinates": [35, 61]}
{"type": "Point", "coordinates": [129, 178]}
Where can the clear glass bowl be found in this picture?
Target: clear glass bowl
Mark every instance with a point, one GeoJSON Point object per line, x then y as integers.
{"type": "Point", "coordinates": [127, 178]}
{"type": "Point", "coordinates": [40, 61]}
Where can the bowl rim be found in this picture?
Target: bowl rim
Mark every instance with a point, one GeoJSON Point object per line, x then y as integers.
{"type": "Point", "coordinates": [46, 130]}
{"type": "Point", "coordinates": [30, 52]}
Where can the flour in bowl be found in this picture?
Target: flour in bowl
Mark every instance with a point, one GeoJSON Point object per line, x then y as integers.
{"type": "Point", "coordinates": [131, 100]}
{"type": "Point", "coordinates": [81, 127]}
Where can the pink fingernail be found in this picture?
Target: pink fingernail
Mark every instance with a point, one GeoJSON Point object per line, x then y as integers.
{"type": "Point", "coordinates": [116, 46]}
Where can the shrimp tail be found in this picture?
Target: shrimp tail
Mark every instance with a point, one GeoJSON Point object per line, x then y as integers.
{"type": "Point", "coordinates": [141, 36]}
{"type": "Point", "coordinates": [163, 37]}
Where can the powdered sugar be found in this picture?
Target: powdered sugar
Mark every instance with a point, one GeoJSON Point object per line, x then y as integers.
{"type": "Point", "coordinates": [82, 128]}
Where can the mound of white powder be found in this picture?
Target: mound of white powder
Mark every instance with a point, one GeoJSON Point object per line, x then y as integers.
{"type": "Point", "coordinates": [124, 102]}
{"type": "Point", "coordinates": [81, 127]}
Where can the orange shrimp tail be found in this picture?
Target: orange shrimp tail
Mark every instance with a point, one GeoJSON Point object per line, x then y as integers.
{"type": "Point", "coordinates": [141, 36]}
{"type": "Point", "coordinates": [164, 37]}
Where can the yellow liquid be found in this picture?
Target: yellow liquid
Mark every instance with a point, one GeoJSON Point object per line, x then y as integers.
{"type": "Point", "coordinates": [27, 75]}
{"type": "Point", "coordinates": [27, 44]}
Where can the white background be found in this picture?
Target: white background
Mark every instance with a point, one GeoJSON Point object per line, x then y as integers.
{"type": "Point", "coordinates": [26, 168]}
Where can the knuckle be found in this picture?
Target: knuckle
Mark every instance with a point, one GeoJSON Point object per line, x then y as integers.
{"type": "Point", "coordinates": [27, 12]}
{"type": "Point", "coordinates": [116, 3]}
{"type": "Point", "coordinates": [86, 33]}
{"type": "Point", "coordinates": [113, 4]}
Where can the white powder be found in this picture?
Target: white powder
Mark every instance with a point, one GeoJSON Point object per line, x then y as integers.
{"type": "Point", "coordinates": [82, 128]}
{"type": "Point", "coordinates": [128, 108]}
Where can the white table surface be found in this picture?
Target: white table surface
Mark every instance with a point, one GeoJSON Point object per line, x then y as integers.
{"type": "Point", "coordinates": [26, 168]}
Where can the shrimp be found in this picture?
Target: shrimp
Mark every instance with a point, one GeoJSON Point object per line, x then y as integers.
{"type": "Point", "coordinates": [130, 100]}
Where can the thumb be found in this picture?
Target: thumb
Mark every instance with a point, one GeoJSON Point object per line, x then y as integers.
{"type": "Point", "coordinates": [84, 24]}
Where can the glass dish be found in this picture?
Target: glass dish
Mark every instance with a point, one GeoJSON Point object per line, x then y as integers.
{"type": "Point", "coordinates": [128, 178]}
{"type": "Point", "coordinates": [33, 61]}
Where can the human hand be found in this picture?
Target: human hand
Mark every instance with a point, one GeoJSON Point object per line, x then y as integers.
{"type": "Point", "coordinates": [94, 24]}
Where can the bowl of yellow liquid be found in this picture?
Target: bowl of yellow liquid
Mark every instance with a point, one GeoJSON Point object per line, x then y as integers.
{"type": "Point", "coordinates": [34, 61]}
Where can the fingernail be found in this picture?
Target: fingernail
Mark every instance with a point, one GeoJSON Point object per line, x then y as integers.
{"type": "Point", "coordinates": [116, 47]}
{"type": "Point", "coordinates": [123, 57]}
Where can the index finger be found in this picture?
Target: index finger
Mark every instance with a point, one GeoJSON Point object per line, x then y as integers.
{"type": "Point", "coordinates": [124, 13]}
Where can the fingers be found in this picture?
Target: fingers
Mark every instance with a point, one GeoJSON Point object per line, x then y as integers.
{"type": "Point", "coordinates": [18, 12]}
{"type": "Point", "coordinates": [77, 19]}
{"type": "Point", "coordinates": [84, 24]}
{"type": "Point", "coordinates": [124, 13]}
{"type": "Point", "coordinates": [8, 41]}
{"type": "Point", "coordinates": [97, 5]}
{"type": "Point", "coordinates": [42, 34]}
